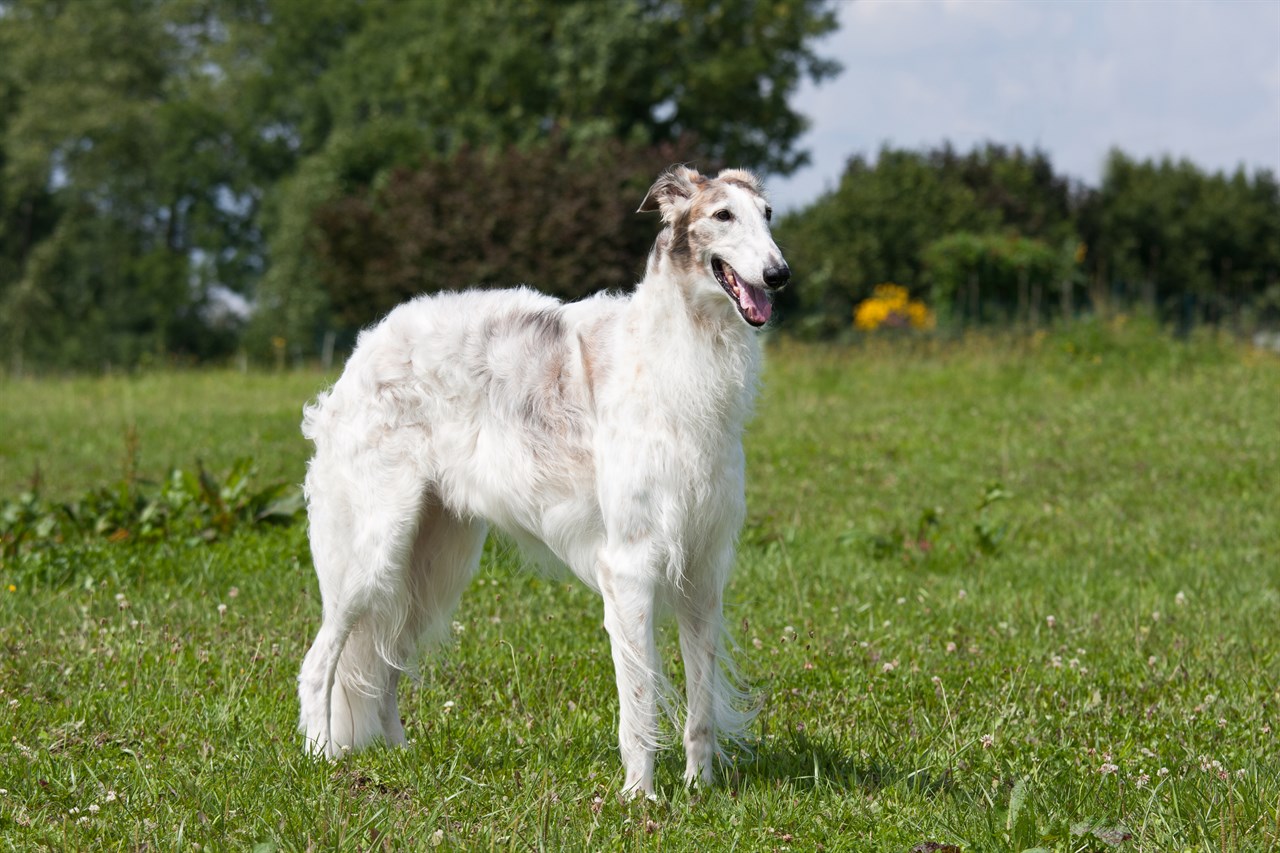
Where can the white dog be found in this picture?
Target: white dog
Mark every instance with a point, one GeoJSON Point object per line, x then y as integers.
{"type": "Point", "coordinates": [606, 434]}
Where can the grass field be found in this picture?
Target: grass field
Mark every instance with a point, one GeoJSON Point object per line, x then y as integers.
{"type": "Point", "coordinates": [994, 594]}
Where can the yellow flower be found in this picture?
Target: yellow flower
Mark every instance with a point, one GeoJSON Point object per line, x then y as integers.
{"type": "Point", "coordinates": [891, 304]}
{"type": "Point", "coordinates": [869, 315]}
{"type": "Point", "coordinates": [920, 316]}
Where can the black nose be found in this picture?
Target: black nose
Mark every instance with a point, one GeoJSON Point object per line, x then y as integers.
{"type": "Point", "coordinates": [776, 277]}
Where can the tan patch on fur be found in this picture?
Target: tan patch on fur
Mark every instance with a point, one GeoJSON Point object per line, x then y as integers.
{"type": "Point", "coordinates": [741, 177]}
{"type": "Point", "coordinates": [683, 250]}
{"type": "Point", "coordinates": [677, 183]}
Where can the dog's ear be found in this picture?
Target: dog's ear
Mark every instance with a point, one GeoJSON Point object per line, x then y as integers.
{"type": "Point", "coordinates": [670, 194]}
{"type": "Point", "coordinates": [749, 181]}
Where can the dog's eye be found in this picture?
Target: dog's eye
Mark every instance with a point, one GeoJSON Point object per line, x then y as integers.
{"type": "Point", "coordinates": [723, 215]}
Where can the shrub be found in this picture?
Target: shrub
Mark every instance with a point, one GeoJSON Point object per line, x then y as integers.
{"type": "Point", "coordinates": [559, 218]}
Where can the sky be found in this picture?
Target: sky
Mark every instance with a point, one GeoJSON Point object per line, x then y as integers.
{"type": "Point", "coordinates": [1194, 79]}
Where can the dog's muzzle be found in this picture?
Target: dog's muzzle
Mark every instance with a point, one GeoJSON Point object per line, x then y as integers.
{"type": "Point", "coordinates": [776, 277]}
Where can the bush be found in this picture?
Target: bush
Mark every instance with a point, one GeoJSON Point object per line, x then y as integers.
{"type": "Point", "coordinates": [554, 217]}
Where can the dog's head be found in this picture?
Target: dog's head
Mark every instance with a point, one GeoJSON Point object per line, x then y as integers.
{"type": "Point", "coordinates": [719, 236]}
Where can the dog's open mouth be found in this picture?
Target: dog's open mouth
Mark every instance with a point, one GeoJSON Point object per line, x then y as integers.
{"type": "Point", "coordinates": [753, 303]}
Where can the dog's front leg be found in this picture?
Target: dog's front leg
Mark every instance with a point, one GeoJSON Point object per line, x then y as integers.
{"type": "Point", "coordinates": [628, 591]}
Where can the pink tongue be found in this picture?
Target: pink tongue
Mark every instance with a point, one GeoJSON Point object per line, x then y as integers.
{"type": "Point", "coordinates": [755, 303]}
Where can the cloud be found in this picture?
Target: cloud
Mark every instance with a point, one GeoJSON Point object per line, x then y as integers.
{"type": "Point", "coordinates": [1199, 80]}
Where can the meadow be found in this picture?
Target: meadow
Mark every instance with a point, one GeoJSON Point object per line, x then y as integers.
{"type": "Point", "coordinates": [1006, 593]}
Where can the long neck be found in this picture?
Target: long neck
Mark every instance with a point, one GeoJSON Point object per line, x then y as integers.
{"type": "Point", "coordinates": [691, 336]}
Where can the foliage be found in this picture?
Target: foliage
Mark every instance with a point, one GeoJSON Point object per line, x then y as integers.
{"type": "Point", "coordinates": [120, 182]}
{"type": "Point", "coordinates": [541, 216]}
{"type": "Point", "coordinates": [871, 229]}
{"type": "Point", "coordinates": [1186, 244]}
{"type": "Point", "coordinates": [501, 90]}
{"type": "Point", "coordinates": [891, 307]}
{"type": "Point", "coordinates": [1005, 271]}
{"type": "Point", "coordinates": [995, 232]}
{"type": "Point", "coordinates": [160, 154]}
{"type": "Point", "coordinates": [1097, 682]}
{"type": "Point", "coordinates": [170, 167]}
{"type": "Point", "coordinates": [192, 505]}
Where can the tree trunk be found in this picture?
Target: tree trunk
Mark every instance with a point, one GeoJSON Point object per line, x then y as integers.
{"type": "Point", "coordinates": [1022, 311]}
{"type": "Point", "coordinates": [975, 305]}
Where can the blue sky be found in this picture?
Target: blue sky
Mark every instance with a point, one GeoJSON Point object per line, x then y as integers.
{"type": "Point", "coordinates": [1186, 78]}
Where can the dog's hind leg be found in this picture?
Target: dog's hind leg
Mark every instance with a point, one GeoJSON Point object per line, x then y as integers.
{"type": "Point", "coordinates": [446, 552]}
{"type": "Point", "coordinates": [360, 544]}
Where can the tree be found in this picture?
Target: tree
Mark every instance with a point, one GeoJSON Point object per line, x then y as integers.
{"type": "Point", "coordinates": [994, 276]}
{"type": "Point", "coordinates": [1185, 243]}
{"type": "Point", "coordinates": [390, 82]}
{"type": "Point", "coordinates": [537, 216]}
{"type": "Point", "coordinates": [158, 153]}
{"type": "Point", "coordinates": [873, 228]}
{"type": "Point", "coordinates": [117, 170]}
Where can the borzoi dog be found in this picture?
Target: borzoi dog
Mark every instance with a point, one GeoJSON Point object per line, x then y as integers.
{"type": "Point", "coordinates": [605, 433]}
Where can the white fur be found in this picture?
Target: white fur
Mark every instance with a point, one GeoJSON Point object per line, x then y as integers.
{"type": "Point", "coordinates": [605, 433]}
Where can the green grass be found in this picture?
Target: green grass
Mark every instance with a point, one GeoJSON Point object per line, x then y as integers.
{"type": "Point", "coordinates": [997, 594]}
{"type": "Point", "coordinates": [73, 434]}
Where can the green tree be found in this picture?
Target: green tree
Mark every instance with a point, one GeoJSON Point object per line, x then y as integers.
{"type": "Point", "coordinates": [874, 228]}
{"type": "Point", "coordinates": [996, 276]}
{"type": "Point", "coordinates": [158, 152]}
{"type": "Point", "coordinates": [1185, 244]}
{"type": "Point", "coordinates": [390, 81]}
{"type": "Point", "coordinates": [117, 173]}
{"type": "Point", "coordinates": [544, 216]}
